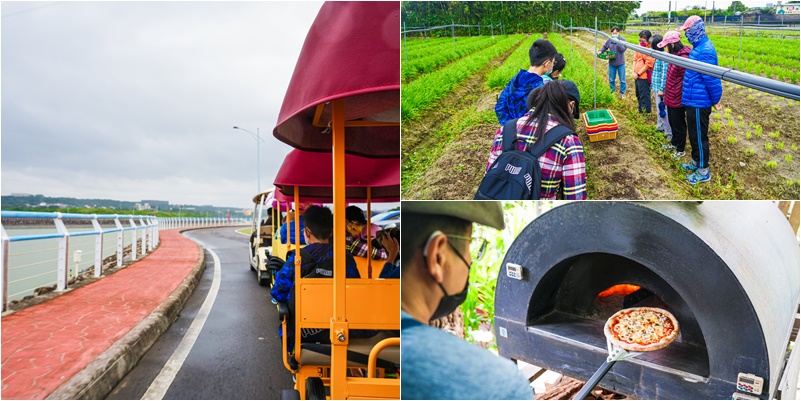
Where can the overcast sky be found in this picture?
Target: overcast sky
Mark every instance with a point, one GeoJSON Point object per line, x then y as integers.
{"type": "Point", "coordinates": [658, 5]}
{"type": "Point", "coordinates": [137, 100]}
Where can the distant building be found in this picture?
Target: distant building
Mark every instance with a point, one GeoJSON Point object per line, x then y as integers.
{"type": "Point", "coordinates": [139, 206]}
{"type": "Point", "coordinates": [20, 194]}
{"type": "Point", "coordinates": [159, 203]}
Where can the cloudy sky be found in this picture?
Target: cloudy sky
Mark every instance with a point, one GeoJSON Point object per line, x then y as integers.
{"type": "Point", "coordinates": [660, 5]}
{"type": "Point", "coordinates": [137, 100]}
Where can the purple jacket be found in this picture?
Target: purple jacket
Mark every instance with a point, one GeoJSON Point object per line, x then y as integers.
{"type": "Point", "coordinates": [674, 81]}
{"type": "Point", "coordinates": [619, 49]}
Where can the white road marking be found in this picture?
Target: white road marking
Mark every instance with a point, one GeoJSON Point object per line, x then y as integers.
{"type": "Point", "coordinates": [158, 388]}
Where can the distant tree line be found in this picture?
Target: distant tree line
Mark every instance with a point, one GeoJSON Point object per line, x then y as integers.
{"type": "Point", "coordinates": [734, 7]}
{"type": "Point", "coordinates": [516, 17]}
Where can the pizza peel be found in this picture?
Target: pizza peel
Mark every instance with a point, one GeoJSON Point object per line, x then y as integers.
{"type": "Point", "coordinates": [616, 354]}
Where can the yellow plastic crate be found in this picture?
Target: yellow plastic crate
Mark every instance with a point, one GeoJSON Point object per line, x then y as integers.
{"type": "Point", "coordinates": [603, 136]}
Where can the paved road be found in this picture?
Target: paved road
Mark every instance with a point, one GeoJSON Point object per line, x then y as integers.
{"type": "Point", "coordinates": [237, 353]}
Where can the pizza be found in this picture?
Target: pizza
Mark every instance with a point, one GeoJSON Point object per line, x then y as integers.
{"type": "Point", "coordinates": [642, 329]}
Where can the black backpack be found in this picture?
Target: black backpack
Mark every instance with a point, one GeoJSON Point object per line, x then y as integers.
{"type": "Point", "coordinates": [311, 268]}
{"type": "Point", "coordinates": [515, 174]}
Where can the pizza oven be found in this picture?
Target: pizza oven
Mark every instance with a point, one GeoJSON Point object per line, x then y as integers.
{"type": "Point", "coordinates": [728, 271]}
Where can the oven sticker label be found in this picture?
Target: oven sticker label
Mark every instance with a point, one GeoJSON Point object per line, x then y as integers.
{"type": "Point", "coordinates": [514, 271]}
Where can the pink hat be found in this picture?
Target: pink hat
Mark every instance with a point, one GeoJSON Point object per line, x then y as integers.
{"type": "Point", "coordinates": [689, 22]}
{"type": "Point", "coordinates": [670, 37]}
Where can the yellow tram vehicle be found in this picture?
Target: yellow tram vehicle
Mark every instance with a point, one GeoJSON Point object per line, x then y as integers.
{"type": "Point", "coordinates": [344, 98]}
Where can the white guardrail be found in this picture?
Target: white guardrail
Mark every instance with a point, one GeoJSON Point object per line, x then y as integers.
{"type": "Point", "coordinates": [41, 252]}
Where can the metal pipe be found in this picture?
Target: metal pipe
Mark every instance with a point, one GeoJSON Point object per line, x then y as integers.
{"type": "Point", "coordinates": [762, 84]}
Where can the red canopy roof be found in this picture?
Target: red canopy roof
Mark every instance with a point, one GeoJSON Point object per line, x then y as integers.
{"type": "Point", "coordinates": [312, 172]}
{"type": "Point", "coordinates": [352, 51]}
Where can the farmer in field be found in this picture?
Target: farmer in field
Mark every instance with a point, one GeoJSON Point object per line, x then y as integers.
{"type": "Point", "coordinates": [512, 101]}
{"type": "Point", "coordinates": [643, 66]}
{"type": "Point", "coordinates": [617, 65]}
{"type": "Point", "coordinates": [562, 166]}
{"type": "Point", "coordinates": [699, 93]}
{"type": "Point", "coordinates": [658, 79]}
{"type": "Point", "coordinates": [559, 64]}
{"type": "Point", "coordinates": [437, 250]}
{"type": "Point", "coordinates": [677, 116]}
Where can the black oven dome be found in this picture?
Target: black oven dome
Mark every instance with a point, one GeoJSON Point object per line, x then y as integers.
{"type": "Point", "coordinates": [728, 270]}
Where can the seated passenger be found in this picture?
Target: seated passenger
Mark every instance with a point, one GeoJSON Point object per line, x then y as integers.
{"type": "Point", "coordinates": [390, 241]}
{"type": "Point", "coordinates": [317, 260]}
{"type": "Point", "coordinates": [290, 225]}
{"type": "Point", "coordinates": [318, 230]}
{"type": "Point", "coordinates": [355, 221]}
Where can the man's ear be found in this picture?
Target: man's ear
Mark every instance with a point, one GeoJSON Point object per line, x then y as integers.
{"type": "Point", "coordinates": [434, 256]}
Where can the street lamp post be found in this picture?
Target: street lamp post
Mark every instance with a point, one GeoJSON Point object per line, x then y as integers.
{"type": "Point", "coordinates": [258, 154]}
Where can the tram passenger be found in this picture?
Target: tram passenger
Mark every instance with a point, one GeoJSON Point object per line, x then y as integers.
{"type": "Point", "coordinates": [435, 272]}
{"type": "Point", "coordinates": [289, 225]}
{"type": "Point", "coordinates": [355, 222]}
{"type": "Point", "coordinates": [390, 240]}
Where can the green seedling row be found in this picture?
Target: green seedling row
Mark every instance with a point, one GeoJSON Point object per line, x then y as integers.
{"type": "Point", "coordinates": [428, 89]}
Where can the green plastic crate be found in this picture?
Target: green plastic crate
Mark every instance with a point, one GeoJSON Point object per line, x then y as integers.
{"type": "Point", "coordinates": [607, 55]}
{"type": "Point", "coordinates": [598, 117]}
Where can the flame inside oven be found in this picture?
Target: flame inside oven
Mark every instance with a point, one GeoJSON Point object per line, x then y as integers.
{"type": "Point", "coordinates": [619, 290]}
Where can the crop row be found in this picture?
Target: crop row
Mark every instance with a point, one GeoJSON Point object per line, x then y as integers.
{"type": "Point", "coordinates": [427, 89]}
{"type": "Point", "coordinates": [499, 77]}
{"type": "Point", "coordinates": [448, 44]}
{"type": "Point", "coordinates": [774, 66]}
{"type": "Point", "coordinates": [435, 57]}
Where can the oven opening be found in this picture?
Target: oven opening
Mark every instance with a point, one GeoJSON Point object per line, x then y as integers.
{"type": "Point", "coordinates": [572, 302]}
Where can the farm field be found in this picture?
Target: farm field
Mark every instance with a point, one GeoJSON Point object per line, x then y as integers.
{"type": "Point", "coordinates": [754, 140]}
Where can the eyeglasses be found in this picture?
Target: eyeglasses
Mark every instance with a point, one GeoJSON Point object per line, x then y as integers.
{"type": "Point", "coordinates": [478, 245]}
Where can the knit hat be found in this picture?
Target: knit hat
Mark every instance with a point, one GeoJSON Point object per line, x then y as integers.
{"type": "Point", "coordinates": [670, 37]}
{"type": "Point", "coordinates": [689, 22]}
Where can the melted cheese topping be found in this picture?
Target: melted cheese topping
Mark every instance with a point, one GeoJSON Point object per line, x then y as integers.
{"type": "Point", "coordinates": [642, 327]}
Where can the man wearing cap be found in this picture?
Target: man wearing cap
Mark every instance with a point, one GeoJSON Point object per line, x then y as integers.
{"type": "Point", "coordinates": [354, 223]}
{"type": "Point", "coordinates": [699, 93]}
{"type": "Point", "coordinates": [435, 264]}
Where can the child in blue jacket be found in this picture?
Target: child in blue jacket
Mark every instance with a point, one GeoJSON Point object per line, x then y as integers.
{"type": "Point", "coordinates": [512, 101]}
{"type": "Point", "coordinates": [699, 93]}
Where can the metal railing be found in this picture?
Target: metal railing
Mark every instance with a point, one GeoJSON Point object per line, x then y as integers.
{"type": "Point", "coordinates": [39, 263]}
{"type": "Point", "coordinates": [762, 84]}
{"type": "Point", "coordinates": [146, 225]}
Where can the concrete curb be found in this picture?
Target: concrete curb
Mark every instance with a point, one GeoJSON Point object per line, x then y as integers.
{"type": "Point", "coordinates": [101, 375]}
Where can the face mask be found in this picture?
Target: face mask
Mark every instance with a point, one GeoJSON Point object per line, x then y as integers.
{"type": "Point", "coordinates": [547, 74]}
{"type": "Point", "coordinates": [615, 35]}
{"type": "Point", "coordinates": [448, 303]}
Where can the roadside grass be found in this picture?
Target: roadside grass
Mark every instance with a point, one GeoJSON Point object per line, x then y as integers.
{"type": "Point", "coordinates": [420, 159]}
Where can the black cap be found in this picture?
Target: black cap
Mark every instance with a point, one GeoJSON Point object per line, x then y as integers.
{"type": "Point", "coordinates": [354, 213]}
{"type": "Point", "coordinates": [572, 92]}
{"type": "Point", "coordinates": [569, 87]}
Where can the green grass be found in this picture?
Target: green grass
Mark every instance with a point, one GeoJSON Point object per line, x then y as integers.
{"type": "Point", "coordinates": [749, 151]}
{"type": "Point", "coordinates": [421, 159]}
{"type": "Point", "coordinates": [479, 306]}
{"type": "Point", "coordinates": [732, 140]}
{"type": "Point", "coordinates": [771, 165]}
{"type": "Point", "coordinates": [425, 91]}
{"type": "Point", "coordinates": [768, 146]}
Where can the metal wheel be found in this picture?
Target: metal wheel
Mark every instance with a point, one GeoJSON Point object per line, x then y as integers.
{"type": "Point", "coordinates": [263, 277]}
{"type": "Point", "coordinates": [315, 389]}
